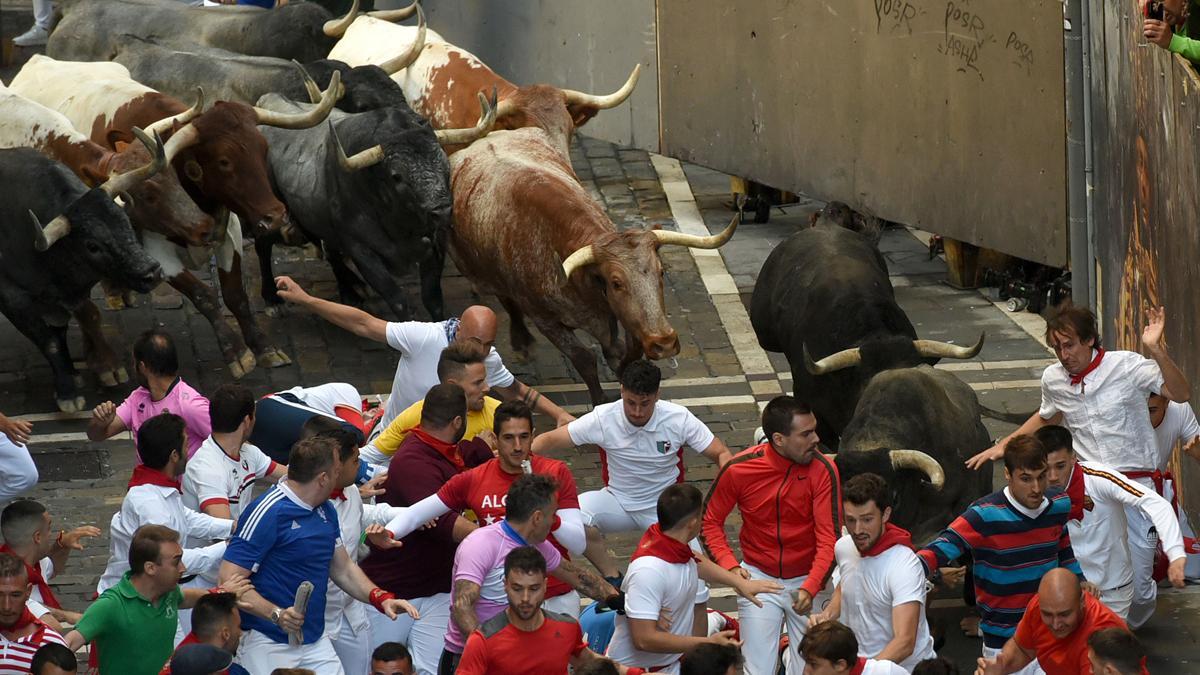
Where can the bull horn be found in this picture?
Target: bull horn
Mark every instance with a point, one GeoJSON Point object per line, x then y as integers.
{"type": "Point", "coordinates": [487, 118]}
{"type": "Point", "coordinates": [361, 160]}
{"type": "Point", "coordinates": [185, 137]}
{"type": "Point", "coordinates": [44, 237]}
{"type": "Point", "coordinates": [610, 101]}
{"type": "Point", "coordinates": [167, 123]}
{"type": "Point", "coordinates": [944, 350]}
{"type": "Point", "coordinates": [847, 358]}
{"type": "Point", "coordinates": [394, 15]}
{"type": "Point", "coordinates": [402, 61]}
{"type": "Point", "coordinates": [919, 461]}
{"type": "Point", "coordinates": [336, 28]}
{"type": "Point", "coordinates": [306, 119]}
{"type": "Point", "coordinates": [584, 256]}
{"type": "Point", "coordinates": [314, 92]}
{"type": "Point", "coordinates": [666, 238]}
{"type": "Point", "coordinates": [123, 182]}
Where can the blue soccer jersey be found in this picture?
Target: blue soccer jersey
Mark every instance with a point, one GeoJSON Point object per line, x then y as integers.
{"type": "Point", "coordinates": [283, 542]}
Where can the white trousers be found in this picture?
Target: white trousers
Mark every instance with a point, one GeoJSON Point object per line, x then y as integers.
{"type": "Point", "coordinates": [353, 649]}
{"type": "Point", "coordinates": [424, 637]}
{"type": "Point", "coordinates": [260, 655]}
{"type": "Point", "coordinates": [1141, 555]}
{"type": "Point", "coordinates": [568, 604]}
{"type": "Point", "coordinates": [761, 627]}
{"type": "Point", "coordinates": [603, 510]}
{"type": "Point", "coordinates": [17, 470]}
{"type": "Point", "coordinates": [1119, 600]}
{"type": "Point", "coordinates": [1034, 668]}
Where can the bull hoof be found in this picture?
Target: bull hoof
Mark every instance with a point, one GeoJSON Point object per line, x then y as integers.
{"type": "Point", "coordinates": [122, 375]}
{"type": "Point", "coordinates": [71, 405]}
{"type": "Point", "coordinates": [243, 365]}
{"type": "Point", "coordinates": [276, 311]}
{"type": "Point", "coordinates": [114, 303]}
{"type": "Point", "coordinates": [274, 358]}
{"type": "Point", "coordinates": [107, 378]}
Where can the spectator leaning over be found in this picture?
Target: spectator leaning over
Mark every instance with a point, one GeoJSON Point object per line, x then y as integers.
{"type": "Point", "coordinates": [132, 625]}
{"type": "Point", "coordinates": [20, 473]}
{"type": "Point", "coordinates": [419, 344]}
{"type": "Point", "coordinates": [789, 539]}
{"type": "Point", "coordinates": [524, 639]}
{"type": "Point", "coordinates": [421, 569]}
{"type": "Point", "coordinates": [288, 536]}
{"type": "Point", "coordinates": [156, 368]}
{"type": "Point", "coordinates": [391, 658]}
{"type": "Point", "coordinates": [481, 491]}
{"type": "Point", "coordinates": [21, 633]}
{"type": "Point", "coordinates": [220, 477]}
{"type": "Point", "coordinates": [279, 418]}
{"type": "Point", "coordinates": [1100, 397]}
{"type": "Point", "coordinates": [1171, 31]}
{"type": "Point", "coordinates": [881, 594]}
{"type": "Point", "coordinates": [1175, 424]}
{"type": "Point", "coordinates": [711, 659]}
{"type": "Point", "coordinates": [216, 623]}
{"type": "Point", "coordinates": [27, 529]}
{"type": "Point", "coordinates": [830, 648]}
{"type": "Point", "coordinates": [54, 659]}
{"type": "Point", "coordinates": [1015, 536]}
{"type": "Point", "coordinates": [1054, 631]}
{"type": "Point", "coordinates": [1099, 499]}
{"type": "Point", "coordinates": [641, 440]}
{"type": "Point", "coordinates": [1115, 651]}
{"type": "Point", "coordinates": [462, 363]}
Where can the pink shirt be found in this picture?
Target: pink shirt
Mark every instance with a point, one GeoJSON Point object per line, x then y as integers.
{"type": "Point", "coordinates": [480, 558]}
{"type": "Point", "coordinates": [181, 400]}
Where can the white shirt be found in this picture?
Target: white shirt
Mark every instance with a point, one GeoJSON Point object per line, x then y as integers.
{"type": "Point", "coordinates": [640, 462]}
{"type": "Point", "coordinates": [872, 587]}
{"type": "Point", "coordinates": [652, 584]}
{"type": "Point", "coordinates": [1178, 426]}
{"type": "Point", "coordinates": [1109, 420]}
{"type": "Point", "coordinates": [212, 476]}
{"type": "Point", "coordinates": [158, 505]}
{"type": "Point", "coordinates": [35, 601]}
{"type": "Point", "coordinates": [1100, 540]}
{"type": "Point", "coordinates": [420, 345]}
{"type": "Point", "coordinates": [873, 667]}
{"type": "Point", "coordinates": [353, 517]}
{"type": "Point", "coordinates": [326, 398]}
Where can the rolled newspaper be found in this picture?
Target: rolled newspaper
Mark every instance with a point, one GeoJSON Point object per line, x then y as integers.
{"type": "Point", "coordinates": [301, 604]}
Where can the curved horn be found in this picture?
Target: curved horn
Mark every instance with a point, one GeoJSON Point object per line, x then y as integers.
{"type": "Point", "coordinates": [337, 27]}
{"type": "Point", "coordinates": [314, 92]}
{"type": "Point", "coordinates": [185, 137]}
{"type": "Point", "coordinates": [164, 125]}
{"type": "Point", "coordinates": [610, 101]}
{"type": "Point", "coordinates": [304, 120]}
{"type": "Point", "coordinates": [394, 15]}
{"type": "Point", "coordinates": [361, 160]}
{"type": "Point", "coordinates": [945, 350]}
{"type": "Point", "coordinates": [919, 461]}
{"type": "Point", "coordinates": [44, 237]}
{"type": "Point", "coordinates": [123, 182]}
{"type": "Point", "coordinates": [581, 258]}
{"type": "Point", "coordinates": [400, 62]}
{"type": "Point", "coordinates": [847, 358]}
{"type": "Point", "coordinates": [487, 118]}
{"type": "Point", "coordinates": [693, 241]}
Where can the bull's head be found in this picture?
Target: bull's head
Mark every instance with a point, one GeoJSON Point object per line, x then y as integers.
{"type": "Point", "coordinates": [858, 356]}
{"type": "Point", "coordinates": [887, 463]}
{"type": "Point", "coordinates": [627, 269]}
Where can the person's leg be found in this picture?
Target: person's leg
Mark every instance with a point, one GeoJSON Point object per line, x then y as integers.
{"type": "Point", "coordinates": [603, 513]}
{"type": "Point", "coordinates": [353, 649]}
{"type": "Point", "coordinates": [19, 473]}
{"type": "Point", "coordinates": [43, 21]}
{"type": "Point", "coordinates": [1142, 546]}
{"type": "Point", "coordinates": [259, 655]}
{"type": "Point", "coordinates": [428, 636]}
{"type": "Point", "coordinates": [567, 603]}
{"type": "Point", "coordinates": [320, 657]}
{"type": "Point", "coordinates": [1118, 600]}
{"type": "Point", "coordinates": [448, 663]}
{"type": "Point", "coordinates": [761, 627]}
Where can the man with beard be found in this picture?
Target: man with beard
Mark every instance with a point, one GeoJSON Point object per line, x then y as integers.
{"type": "Point", "coordinates": [21, 633]}
{"type": "Point", "coordinates": [881, 596]}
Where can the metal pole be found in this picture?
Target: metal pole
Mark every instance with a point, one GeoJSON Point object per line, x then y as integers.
{"type": "Point", "coordinates": [1078, 145]}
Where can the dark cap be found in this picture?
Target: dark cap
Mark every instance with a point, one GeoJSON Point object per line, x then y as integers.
{"type": "Point", "coordinates": [200, 660]}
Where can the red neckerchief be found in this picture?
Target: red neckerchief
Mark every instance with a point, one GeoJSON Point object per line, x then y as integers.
{"type": "Point", "coordinates": [1075, 491]}
{"type": "Point", "coordinates": [447, 450]}
{"type": "Point", "coordinates": [339, 493]}
{"type": "Point", "coordinates": [35, 577]}
{"type": "Point", "coordinates": [859, 666]}
{"type": "Point", "coordinates": [656, 544]}
{"type": "Point", "coordinates": [24, 620]}
{"type": "Point", "coordinates": [1076, 379]}
{"type": "Point", "coordinates": [893, 535]}
{"type": "Point", "coordinates": [144, 475]}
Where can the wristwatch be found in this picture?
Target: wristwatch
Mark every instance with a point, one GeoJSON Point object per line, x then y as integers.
{"type": "Point", "coordinates": [276, 613]}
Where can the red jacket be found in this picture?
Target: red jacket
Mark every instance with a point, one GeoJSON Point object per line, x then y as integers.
{"type": "Point", "coordinates": [791, 515]}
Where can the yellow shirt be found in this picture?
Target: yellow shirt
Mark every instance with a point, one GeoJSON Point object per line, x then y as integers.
{"type": "Point", "coordinates": [394, 434]}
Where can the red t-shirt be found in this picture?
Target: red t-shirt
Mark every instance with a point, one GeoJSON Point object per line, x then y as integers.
{"type": "Point", "coordinates": [480, 493]}
{"type": "Point", "coordinates": [1067, 656]}
{"type": "Point", "coordinates": [499, 648]}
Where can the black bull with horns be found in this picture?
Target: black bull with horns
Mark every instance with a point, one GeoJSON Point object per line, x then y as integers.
{"type": "Point", "coordinates": [823, 298]}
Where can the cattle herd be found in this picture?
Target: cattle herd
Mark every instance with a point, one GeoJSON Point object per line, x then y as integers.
{"type": "Point", "coordinates": [154, 137]}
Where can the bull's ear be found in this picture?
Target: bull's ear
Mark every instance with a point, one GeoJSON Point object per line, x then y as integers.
{"type": "Point", "coordinates": [192, 170]}
{"type": "Point", "coordinates": [115, 136]}
{"type": "Point", "coordinates": [581, 113]}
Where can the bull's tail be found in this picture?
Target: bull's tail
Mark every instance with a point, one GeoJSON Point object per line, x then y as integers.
{"type": "Point", "coordinates": [1013, 418]}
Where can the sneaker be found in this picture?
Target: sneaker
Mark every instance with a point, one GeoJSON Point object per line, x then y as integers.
{"type": "Point", "coordinates": [34, 37]}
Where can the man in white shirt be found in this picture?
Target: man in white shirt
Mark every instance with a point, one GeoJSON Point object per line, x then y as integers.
{"type": "Point", "coordinates": [641, 442]}
{"type": "Point", "coordinates": [1100, 397]}
{"type": "Point", "coordinates": [154, 498]}
{"type": "Point", "coordinates": [881, 594]}
{"type": "Point", "coordinates": [420, 344]}
{"type": "Point", "coordinates": [1175, 423]}
{"type": "Point", "coordinates": [830, 648]}
{"type": "Point", "coordinates": [1100, 498]}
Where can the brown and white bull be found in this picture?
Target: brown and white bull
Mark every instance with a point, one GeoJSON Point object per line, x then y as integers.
{"type": "Point", "coordinates": [526, 230]}
{"type": "Point", "coordinates": [221, 158]}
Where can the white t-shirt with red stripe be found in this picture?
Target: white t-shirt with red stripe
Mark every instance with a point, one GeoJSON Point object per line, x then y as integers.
{"type": "Point", "coordinates": [17, 655]}
{"type": "Point", "coordinates": [214, 477]}
{"type": "Point", "coordinates": [638, 463]}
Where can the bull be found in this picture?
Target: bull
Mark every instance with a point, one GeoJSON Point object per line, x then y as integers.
{"type": "Point", "coordinates": [221, 159]}
{"type": "Point", "coordinates": [49, 270]}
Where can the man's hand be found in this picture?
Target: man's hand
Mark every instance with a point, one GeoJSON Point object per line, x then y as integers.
{"type": "Point", "coordinates": [395, 607]}
{"type": "Point", "coordinates": [1192, 448]}
{"type": "Point", "coordinates": [488, 436]}
{"type": "Point", "coordinates": [71, 539]}
{"type": "Point", "coordinates": [750, 588]}
{"type": "Point", "coordinates": [291, 291]}
{"type": "Point", "coordinates": [1091, 589]}
{"type": "Point", "coordinates": [564, 419]}
{"type": "Point", "coordinates": [724, 637]}
{"type": "Point", "coordinates": [1175, 572]}
{"type": "Point", "coordinates": [1156, 319]}
{"type": "Point", "coordinates": [17, 430]}
{"type": "Point", "coordinates": [979, 461]}
{"type": "Point", "coordinates": [381, 538]}
{"type": "Point", "coordinates": [236, 584]}
{"type": "Point", "coordinates": [988, 667]}
{"type": "Point", "coordinates": [741, 571]}
{"type": "Point", "coordinates": [952, 577]}
{"type": "Point", "coordinates": [291, 621]}
{"type": "Point", "coordinates": [372, 487]}
{"type": "Point", "coordinates": [1158, 33]}
{"type": "Point", "coordinates": [818, 618]}
{"type": "Point", "coordinates": [803, 603]}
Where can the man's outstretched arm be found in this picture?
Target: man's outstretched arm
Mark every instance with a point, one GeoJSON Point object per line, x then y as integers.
{"type": "Point", "coordinates": [349, 318]}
